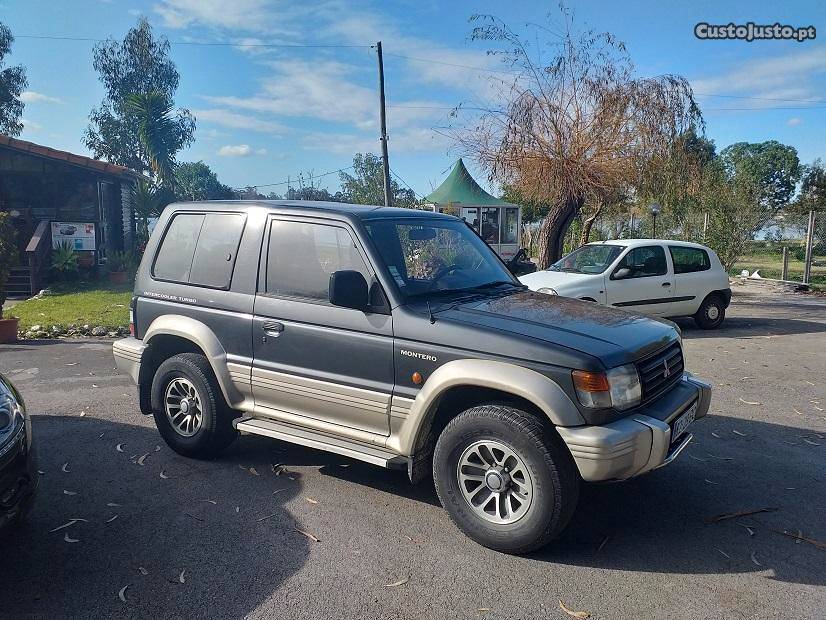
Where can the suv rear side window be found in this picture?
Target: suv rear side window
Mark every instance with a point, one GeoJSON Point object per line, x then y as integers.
{"type": "Point", "coordinates": [200, 249]}
{"type": "Point", "coordinates": [302, 256]}
{"type": "Point", "coordinates": [644, 262]}
{"type": "Point", "coordinates": [689, 260]}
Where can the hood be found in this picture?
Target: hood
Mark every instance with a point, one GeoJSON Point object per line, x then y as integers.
{"type": "Point", "coordinates": [614, 336]}
{"type": "Point", "coordinates": [557, 280]}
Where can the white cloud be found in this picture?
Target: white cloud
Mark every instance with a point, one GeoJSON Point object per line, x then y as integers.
{"type": "Point", "coordinates": [31, 125]}
{"type": "Point", "coordinates": [414, 139]}
{"type": "Point", "coordinates": [240, 150]}
{"type": "Point", "coordinates": [793, 122]}
{"type": "Point", "coordinates": [234, 120]}
{"type": "Point", "coordinates": [785, 77]}
{"type": "Point", "coordinates": [241, 15]}
{"type": "Point", "coordinates": [30, 96]}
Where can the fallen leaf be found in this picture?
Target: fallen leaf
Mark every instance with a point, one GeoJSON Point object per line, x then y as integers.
{"type": "Point", "coordinates": [69, 523]}
{"type": "Point", "coordinates": [254, 471]}
{"type": "Point", "coordinates": [238, 509]}
{"type": "Point", "coordinates": [94, 385]}
{"type": "Point", "coordinates": [193, 516]}
{"type": "Point", "coordinates": [311, 500]}
{"type": "Point", "coordinates": [157, 448]}
{"type": "Point", "coordinates": [723, 553]}
{"type": "Point", "coordinates": [65, 492]}
{"type": "Point", "coordinates": [710, 482]}
{"type": "Point", "coordinates": [746, 378]}
{"type": "Point", "coordinates": [818, 408]}
{"type": "Point", "coordinates": [799, 538]}
{"type": "Point", "coordinates": [142, 459]}
{"type": "Point", "coordinates": [143, 571]}
{"type": "Point", "coordinates": [69, 539]}
{"type": "Point", "coordinates": [65, 468]}
{"type": "Point", "coordinates": [754, 559]}
{"type": "Point", "coordinates": [748, 529]}
{"type": "Point", "coordinates": [736, 432]}
{"type": "Point", "coordinates": [122, 593]}
{"type": "Point", "coordinates": [697, 458]}
{"type": "Point", "coordinates": [278, 491]}
{"type": "Point", "coordinates": [181, 576]}
{"type": "Point", "coordinates": [308, 535]}
{"type": "Point", "coordinates": [810, 442]}
{"type": "Point", "coordinates": [211, 501]}
{"type": "Point", "coordinates": [72, 364]}
{"type": "Point", "coordinates": [41, 472]}
{"type": "Point", "coordinates": [715, 435]}
{"type": "Point", "coordinates": [82, 413]}
{"type": "Point", "coordinates": [483, 609]}
{"type": "Point", "coordinates": [163, 474]}
{"type": "Point", "coordinates": [275, 467]}
{"type": "Point", "coordinates": [113, 505]}
{"type": "Point", "coordinates": [101, 435]}
{"type": "Point", "coordinates": [395, 584]}
{"type": "Point", "coordinates": [721, 458]}
{"type": "Point", "coordinates": [750, 402]}
{"type": "Point", "coordinates": [797, 412]}
{"type": "Point", "coordinates": [118, 447]}
{"type": "Point", "coordinates": [740, 513]}
{"type": "Point", "coordinates": [109, 520]}
{"type": "Point", "coordinates": [572, 613]}
{"type": "Point", "coordinates": [269, 517]}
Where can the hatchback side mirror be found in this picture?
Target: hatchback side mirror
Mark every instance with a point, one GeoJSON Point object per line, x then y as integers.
{"type": "Point", "coordinates": [348, 289]}
{"type": "Point", "coordinates": [620, 274]}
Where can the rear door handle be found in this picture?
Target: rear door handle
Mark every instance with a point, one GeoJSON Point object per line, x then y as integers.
{"type": "Point", "coordinates": [272, 328]}
{"type": "Point", "coordinates": [666, 283]}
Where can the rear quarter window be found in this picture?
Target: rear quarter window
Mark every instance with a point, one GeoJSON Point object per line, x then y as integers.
{"type": "Point", "coordinates": [200, 249]}
{"type": "Point", "coordinates": [689, 260]}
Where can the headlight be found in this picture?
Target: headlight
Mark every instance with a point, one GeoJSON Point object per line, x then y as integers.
{"type": "Point", "coordinates": [11, 414]}
{"type": "Point", "coordinates": [618, 388]}
{"type": "Point", "coordinates": [546, 290]}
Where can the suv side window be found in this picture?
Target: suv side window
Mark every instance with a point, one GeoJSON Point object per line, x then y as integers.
{"type": "Point", "coordinates": [200, 249]}
{"type": "Point", "coordinates": [302, 256]}
{"type": "Point", "coordinates": [689, 260]}
{"type": "Point", "coordinates": [644, 262]}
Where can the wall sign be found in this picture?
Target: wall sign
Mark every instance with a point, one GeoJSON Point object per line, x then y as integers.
{"type": "Point", "coordinates": [79, 235]}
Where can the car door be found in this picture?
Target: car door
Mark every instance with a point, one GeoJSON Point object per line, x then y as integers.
{"type": "Point", "coordinates": [327, 367]}
{"type": "Point", "coordinates": [692, 268]}
{"type": "Point", "coordinates": [647, 287]}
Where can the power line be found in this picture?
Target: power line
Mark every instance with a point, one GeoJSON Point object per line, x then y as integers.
{"type": "Point", "coordinates": [406, 184]}
{"type": "Point", "coordinates": [451, 64]}
{"type": "Point", "coordinates": [196, 43]}
{"type": "Point", "coordinates": [291, 180]}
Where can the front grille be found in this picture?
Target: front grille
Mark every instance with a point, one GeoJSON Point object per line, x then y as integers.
{"type": "Point", "coordinates": [654, 378]}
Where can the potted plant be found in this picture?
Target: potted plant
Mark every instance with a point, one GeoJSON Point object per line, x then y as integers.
{"type": "Point", "coordinates": [119, 264]}
{"type": "Point", "coordinates": [8, 258]}
{"type": "Point", "coordinates": [64, 262]}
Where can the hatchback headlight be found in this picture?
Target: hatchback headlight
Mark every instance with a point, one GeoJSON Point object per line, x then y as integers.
{"type": "Point", "coordinates": [618, 388]}
{"type": "Point", "coordinates": [547, 290]}
{"type": "Point", "coordinates": [11, 414]}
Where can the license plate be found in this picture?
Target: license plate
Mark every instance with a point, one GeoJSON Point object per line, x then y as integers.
{"type": "Point", "coordinates": [679, 426]}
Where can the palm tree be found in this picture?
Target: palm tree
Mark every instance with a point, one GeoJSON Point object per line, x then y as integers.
{"type": "Point", "coordinates": [148, 200]}
{"type": "Point", "coordinates": [157, 133]}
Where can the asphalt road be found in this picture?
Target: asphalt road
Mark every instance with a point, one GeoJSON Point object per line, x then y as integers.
{"type": "Point", "coordinates": [221, 539]}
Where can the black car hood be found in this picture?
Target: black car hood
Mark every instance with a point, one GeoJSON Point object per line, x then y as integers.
{"type": "Point", "coordinates": [612, 335]}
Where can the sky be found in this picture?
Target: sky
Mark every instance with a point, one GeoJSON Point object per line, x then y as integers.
{"type": "Point", "coordinates": [264, 115]}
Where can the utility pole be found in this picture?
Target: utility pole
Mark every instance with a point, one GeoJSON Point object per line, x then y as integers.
{"type": "Point", "coordinates": [388, 196]}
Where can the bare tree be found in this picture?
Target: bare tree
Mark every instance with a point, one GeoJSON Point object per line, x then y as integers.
{"type": "Point", "coordinates": [572, 124]}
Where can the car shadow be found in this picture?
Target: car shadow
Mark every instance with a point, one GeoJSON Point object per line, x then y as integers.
{"type": "Point", "coordinates": [185, 538]}
{"type": "Point", "coordinates": [751, 327]}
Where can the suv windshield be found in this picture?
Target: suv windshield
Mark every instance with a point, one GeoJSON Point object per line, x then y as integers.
{"type": "Point", "coordinates": [436, 256]}
{"type": "Point", "coordinates": [588, 259]}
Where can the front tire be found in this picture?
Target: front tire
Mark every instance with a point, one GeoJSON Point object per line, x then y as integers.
{"type": "Point", "coordinates": [189, 408]}
{"type": "Point", "coordinates": [505, 480]}
{"type": "Point", "coordinates": [711, 313]}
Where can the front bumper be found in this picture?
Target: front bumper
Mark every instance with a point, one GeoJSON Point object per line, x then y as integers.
{"type": "Point", "coordinates": [18, 475]}
{"type": "Point", "coordinates": [642, 441]}
{"type": "Point", "coordinates": [128, 353]}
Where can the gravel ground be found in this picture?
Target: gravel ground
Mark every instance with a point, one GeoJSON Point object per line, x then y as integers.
{"type": "Point", "coordinates": [221, 539]}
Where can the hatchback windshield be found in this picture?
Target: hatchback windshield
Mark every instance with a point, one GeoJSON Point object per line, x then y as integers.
{"type": "Point", "coordinates": [588, 259]}
{"type": "Point", "coordinates": [436, 256]}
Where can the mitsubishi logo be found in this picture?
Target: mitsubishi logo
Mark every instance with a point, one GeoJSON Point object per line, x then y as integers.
{"type": "Point", "coordinates": [667, 371]}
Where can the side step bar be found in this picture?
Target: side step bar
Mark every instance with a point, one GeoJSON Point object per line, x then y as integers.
{"type": "Point", "coordinates": [319, 441]}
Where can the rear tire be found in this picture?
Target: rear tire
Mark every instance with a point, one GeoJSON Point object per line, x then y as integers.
{"type": "Point", "coordinates": [711, 313]}
{"type": "Point", "coordinates": [499, 447]}
{"type": "Point", "coordinates": [189, 408]}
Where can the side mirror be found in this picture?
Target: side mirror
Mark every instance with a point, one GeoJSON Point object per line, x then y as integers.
{"type": "Point", "coordinates": [348, 289]}
{"type": "Point", "coordinates": [620, 274]}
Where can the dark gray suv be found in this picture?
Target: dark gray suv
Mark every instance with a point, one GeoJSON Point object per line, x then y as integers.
{"type": "Point", "coordinates": [399, 338]}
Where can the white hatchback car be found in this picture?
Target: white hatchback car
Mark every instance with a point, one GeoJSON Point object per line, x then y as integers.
{"type": "Point", "coordinates": [664, 278]}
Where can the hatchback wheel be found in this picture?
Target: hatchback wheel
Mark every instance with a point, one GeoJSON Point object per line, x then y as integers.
{"type": "Point", "coordinates": [711, 313]}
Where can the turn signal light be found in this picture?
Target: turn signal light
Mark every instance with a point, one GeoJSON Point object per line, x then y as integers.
{"type": "Point", "coordinates": [585, 381]}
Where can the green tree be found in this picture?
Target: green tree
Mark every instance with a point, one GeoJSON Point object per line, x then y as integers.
{"type": "Point", "coordinates": [196, 181]}
{"type": "Point", "coordinates": [139, 64]}
{"type": "Point", "coordinates": [812, 198]}
{"type": "Point", "coordinates": [366, 185]}
{"type": "Point", "coordinates": [771, 167]}
{"type": "Point", "coordinates": [148, 200]}
{"type": "Point", "coordinates": [12, 82]}
{"type": "Point", "coordinates": [157, 134]}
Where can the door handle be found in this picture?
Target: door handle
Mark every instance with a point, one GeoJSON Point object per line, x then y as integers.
{"type": "Point", "coordinates": [272, 328]}
{"type": "Point", "coordinates": [666, 283]}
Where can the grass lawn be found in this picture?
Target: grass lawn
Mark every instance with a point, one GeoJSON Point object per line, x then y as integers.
{"type": "Point", "coordinates": [771, 266]}
{"type": "Point", "coordinates": [81, 303]}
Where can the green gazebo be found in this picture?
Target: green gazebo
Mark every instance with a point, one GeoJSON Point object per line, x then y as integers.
{"type": "Point", "coordinates": [498, 222]}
